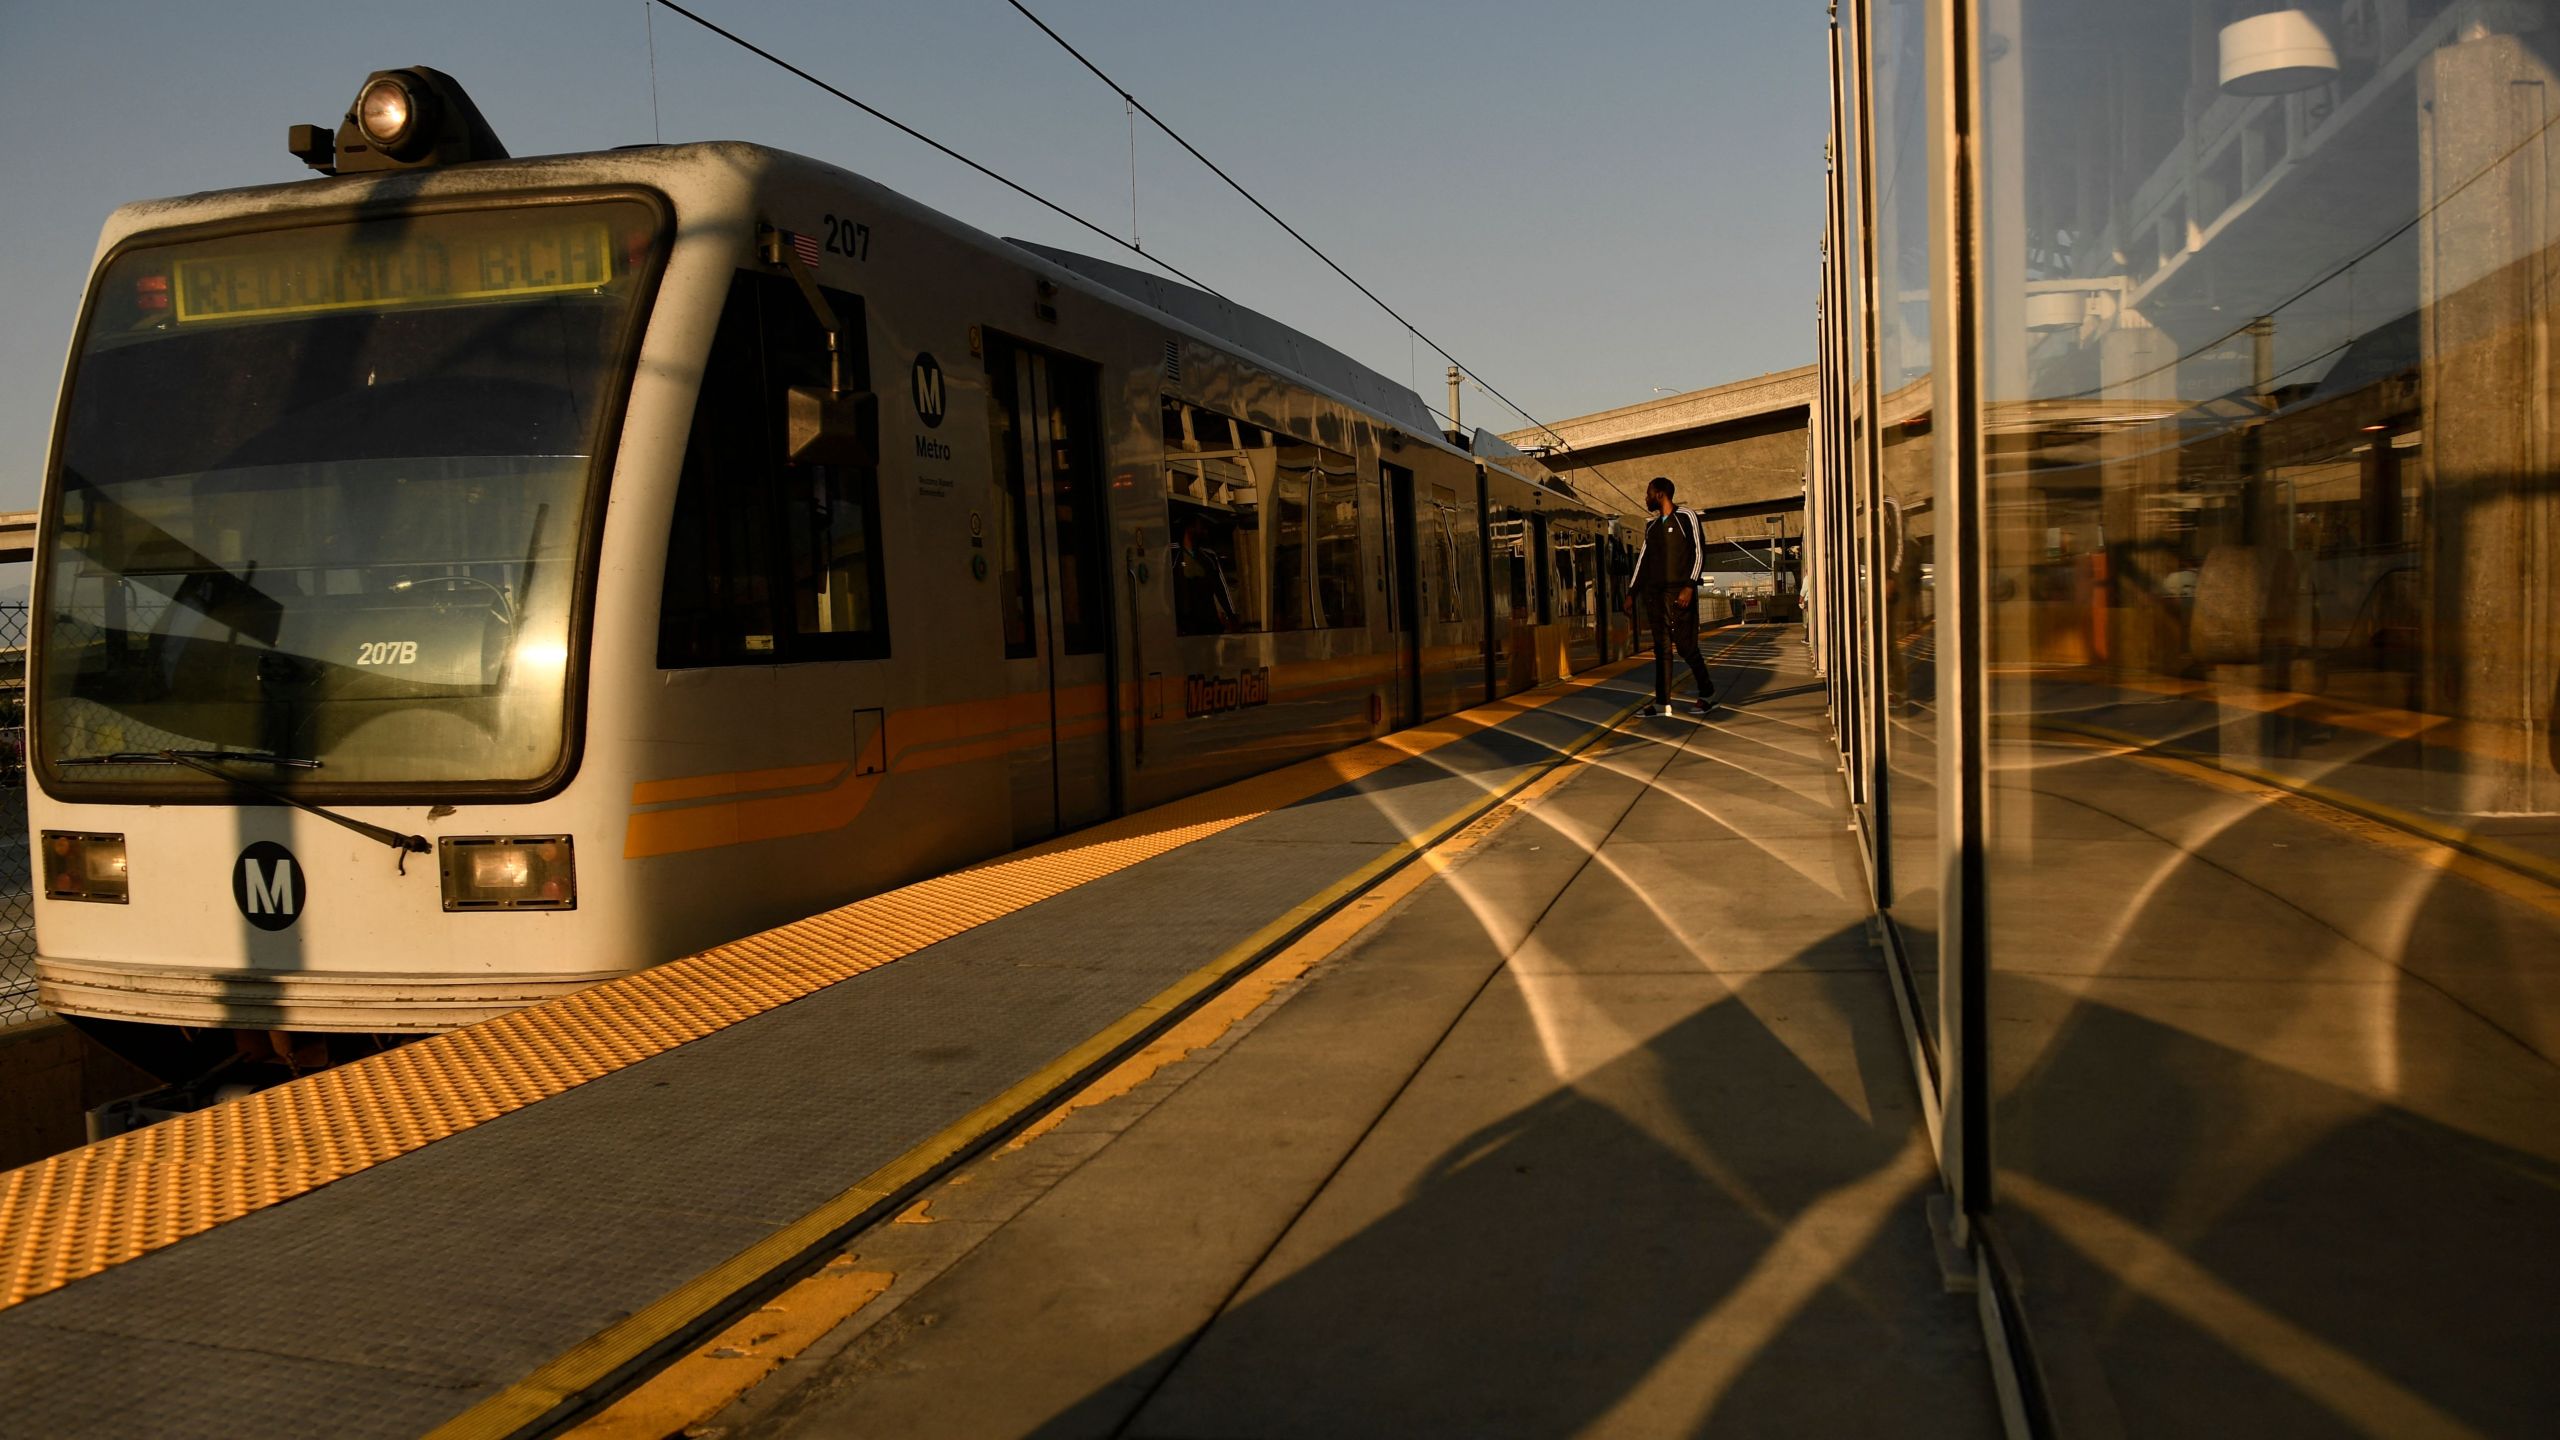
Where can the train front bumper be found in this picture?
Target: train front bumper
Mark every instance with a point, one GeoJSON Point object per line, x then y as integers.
{"type": "Point", "coordinates": [356, 1001]}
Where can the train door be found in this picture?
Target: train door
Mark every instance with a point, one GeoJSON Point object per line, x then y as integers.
{"type": "Point", "coordinates": [1409, 614]}
{"type": "Point", "coordinates": [1051, 539]}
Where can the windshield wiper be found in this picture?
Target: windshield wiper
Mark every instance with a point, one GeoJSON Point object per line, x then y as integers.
{"type": "Point", "coordinates": [181, 757]}
{"type": "Point", "coordinates": [203, 760]}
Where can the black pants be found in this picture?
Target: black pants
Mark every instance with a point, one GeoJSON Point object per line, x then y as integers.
{"type": "Point", "coordinates": [1678, 624]}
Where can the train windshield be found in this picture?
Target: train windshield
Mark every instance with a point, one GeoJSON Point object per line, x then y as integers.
{"type": "Point", "coordinates": [321, 493]}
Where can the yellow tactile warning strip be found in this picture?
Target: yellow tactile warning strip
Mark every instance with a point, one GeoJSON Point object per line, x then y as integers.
{"type": "Point", "coordinates": [615, 1354]}
{"type": "Point", "coordinates": [715, 1372]}
{"type": "Point", "coordinates": [89, 1209]}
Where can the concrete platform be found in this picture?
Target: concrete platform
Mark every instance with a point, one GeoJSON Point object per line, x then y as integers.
{"type": "Point", "coordinates": [521, 1262]}
{"type": "Point", "coordinates": [1606, 1127]}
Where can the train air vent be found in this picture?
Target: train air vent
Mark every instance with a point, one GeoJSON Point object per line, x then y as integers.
{"type": "Point", "coordinates": [1173, 361]}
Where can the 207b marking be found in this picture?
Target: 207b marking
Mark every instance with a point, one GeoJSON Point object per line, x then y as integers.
{"type": "Point", "coordinates": [387, 652]}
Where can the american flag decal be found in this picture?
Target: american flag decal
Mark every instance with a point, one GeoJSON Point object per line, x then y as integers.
{"type": "Point", "coordinates": [806, 245]}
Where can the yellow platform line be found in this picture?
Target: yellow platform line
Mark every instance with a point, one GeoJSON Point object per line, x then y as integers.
{"type": "Point", "coordinates": [86, 1210]}
{"type": "Point", "coordinates": [601, 1364]}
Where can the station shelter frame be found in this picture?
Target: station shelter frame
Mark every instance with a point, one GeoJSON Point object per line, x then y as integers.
{"type": "Point", "coordinates": [1926, 434]}
{"type": "Point", "coordinates": [1942, 1004]}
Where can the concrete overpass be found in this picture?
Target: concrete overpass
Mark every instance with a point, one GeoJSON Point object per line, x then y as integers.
{"type": "Point", "coordinates": [1736, 451]}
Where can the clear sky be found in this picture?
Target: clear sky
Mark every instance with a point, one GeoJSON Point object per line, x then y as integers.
{"type": "Point", "coordinates": [1585, 201]}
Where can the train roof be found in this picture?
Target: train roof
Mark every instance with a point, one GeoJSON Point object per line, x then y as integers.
{"type": "Point", "coordinates": [1254, 333]}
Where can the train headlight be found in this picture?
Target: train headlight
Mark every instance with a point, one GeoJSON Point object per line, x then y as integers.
{"type": "Point", "coordinates": [85, 867]}
{"type": "Point", "coordinates": [387, 111]}
{"type": "Point", "coordinates": [402, 120]}
{"type": "Point", "coordinates": [514, 872]}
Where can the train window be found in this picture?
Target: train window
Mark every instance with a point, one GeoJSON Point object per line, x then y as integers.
{"type": "Point", "coordinates": [717, 607]}
{"type": "Point", "coordinates": [1292, 606]}
{"type": "Point", "coordinates": [1013, 513]}
{"type": "Point", "coordinates": [1211, 595]}
{"type": "Point", "coordinates": [1315, 536]}
{"type": "Point", "coordinates": [831, 513]}
{"type": "Point", "coordinates": [1340, 601]}
{"type": "Point", "coordinates": [1511, 556]}
{"type": "Point", "coordinates": [1217, 564]}
{"type": "Point", "coordinates": [1265, 529]}
{"type": "Point", "coordinates": [1448, 577]}
{"type": "Point", "coordinates": [835, 570]}
{"type": "Point", "coordinates": [1577, 573]}
{"type": "Point", "coordinates": [273, 470]}
{"type": "Point", "coordinates": [769, 561]}
{"type": "Point", "coordinates": [1081, 505]}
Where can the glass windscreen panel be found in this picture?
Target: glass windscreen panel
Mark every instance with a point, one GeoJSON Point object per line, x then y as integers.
{"type": "Point", "coordinates": [2273, 448]}
{"type": "Point", "coordinates": [1903, 518]}
{"type": "Point", "coordinates": [320, 494]}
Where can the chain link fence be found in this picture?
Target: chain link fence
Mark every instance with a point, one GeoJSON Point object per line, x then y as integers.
{"type": "Point", "coordinates": [17, 903]}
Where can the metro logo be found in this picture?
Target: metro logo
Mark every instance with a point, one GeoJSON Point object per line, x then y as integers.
{"type": "Point", "coordinates": [927, 386]}
{"type": "Point", "coordinates": [267, 885]}
{"type": "Point", "coordinates": [270, 893]}
{"type": "Point", "coordinates": [1218, 694]}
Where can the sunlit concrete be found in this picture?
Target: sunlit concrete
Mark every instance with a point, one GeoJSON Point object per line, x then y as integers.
{"type": "Point", "coordinates": [1597, 1132]}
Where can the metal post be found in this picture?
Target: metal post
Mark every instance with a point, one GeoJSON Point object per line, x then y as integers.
{"type": "Point", "coordinates": [1850, 709]}
{"type": "Point", "coordinates": [1964, 713]}
{"type": "Point", "coordinates": [1870, 614]}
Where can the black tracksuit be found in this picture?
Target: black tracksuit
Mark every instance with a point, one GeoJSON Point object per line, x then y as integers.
{"type": "Point", "coordinates": [1673, 559]}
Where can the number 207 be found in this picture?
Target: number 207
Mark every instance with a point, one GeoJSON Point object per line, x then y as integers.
{"type": "Point", "coordinates": [387, 652]}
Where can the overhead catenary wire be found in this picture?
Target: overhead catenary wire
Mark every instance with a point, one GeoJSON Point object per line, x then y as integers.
{"type": "Point", "coordinates": [920, 137]}
{"type": "Point", "coordinates": [1562, 445]}
{"type": "Point", "coordinates": [1131, 99]}
{"type": "Point", "coordinates": [649, 28]}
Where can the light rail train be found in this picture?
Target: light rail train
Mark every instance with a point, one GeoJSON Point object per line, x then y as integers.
{"type": "Point", "coordinates": [466, 578]}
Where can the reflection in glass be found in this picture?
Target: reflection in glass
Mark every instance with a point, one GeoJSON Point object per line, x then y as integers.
{"type": "Point", "coordinates": [321, 492]}
{"type": "Point", "coordinates": [1257, 516]}
{"type": "Point", "coordinates": [1902, 520]}
{"type": "Point", "coordinates": [2275, 574]}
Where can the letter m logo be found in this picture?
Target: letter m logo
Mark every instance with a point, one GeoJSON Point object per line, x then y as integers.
{"type": "Point", "coordinates": [269, 890]}
{"type": "Point", "coordinates": [927, 385]}
{"type": "Point", "coordinates": [268, 886]}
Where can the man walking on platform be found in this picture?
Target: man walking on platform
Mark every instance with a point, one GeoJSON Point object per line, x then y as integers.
{"type": "Point", "coordinates": [1665, 594]}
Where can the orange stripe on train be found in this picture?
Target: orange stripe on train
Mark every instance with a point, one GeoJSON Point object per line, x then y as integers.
{"type": "Point", "coordinates": [929, 737]}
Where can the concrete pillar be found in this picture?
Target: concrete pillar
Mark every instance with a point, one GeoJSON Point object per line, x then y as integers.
{"type": "Point", "coordinates": [2492, 554]}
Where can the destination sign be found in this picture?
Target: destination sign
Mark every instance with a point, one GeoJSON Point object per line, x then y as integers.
{"type": "Point", "coordinates": [425, 267]}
